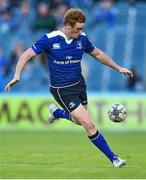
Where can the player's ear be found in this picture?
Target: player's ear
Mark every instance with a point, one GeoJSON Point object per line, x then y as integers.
{"type": "Point", "coordinates": [68, 26]}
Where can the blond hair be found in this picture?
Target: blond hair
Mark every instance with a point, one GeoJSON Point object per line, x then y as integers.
{"type": "Point", "coordinates": [72, 16]}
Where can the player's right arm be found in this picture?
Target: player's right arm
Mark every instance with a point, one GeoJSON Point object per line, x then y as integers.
{"type": "Point", "coordinates": [24, 58]}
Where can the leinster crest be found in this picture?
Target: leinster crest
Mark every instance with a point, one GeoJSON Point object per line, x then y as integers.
{"type": "Point", "coordinates": [79, 45]}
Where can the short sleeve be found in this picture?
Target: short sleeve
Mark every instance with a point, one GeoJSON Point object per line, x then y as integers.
{"type": "Point", "coordinates": [88, 46]}
{"type": "Point", "coordinates": [41, 45]}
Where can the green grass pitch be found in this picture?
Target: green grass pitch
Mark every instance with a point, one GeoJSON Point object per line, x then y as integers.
{"type": "Point", "coordinates": [69, 155]}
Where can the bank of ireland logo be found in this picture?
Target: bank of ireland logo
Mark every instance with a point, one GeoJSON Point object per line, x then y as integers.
{"type": "Point", "coordinates": [72, 104]}
{"type": "Point", "coordinates": [69, 57]}
{"type": "Point", "coordinates": [79, 45]}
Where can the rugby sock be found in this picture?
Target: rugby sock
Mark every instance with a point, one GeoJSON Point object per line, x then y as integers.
{"type": "Point", "coordinates": [102, 145]}
{"type": "Point", "coordinates": [61, 113]}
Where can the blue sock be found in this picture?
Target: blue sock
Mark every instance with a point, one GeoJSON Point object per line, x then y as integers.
{"type": "Point", "coordinates": [102, 145]}
{"type": "Point", "coordinates": [60, 113]}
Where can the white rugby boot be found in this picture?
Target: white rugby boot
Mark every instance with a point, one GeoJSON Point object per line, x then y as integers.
{"type": "Point", "coordinates": [52, 109]}
{"type": "Point", "coordinates": [118, 162]}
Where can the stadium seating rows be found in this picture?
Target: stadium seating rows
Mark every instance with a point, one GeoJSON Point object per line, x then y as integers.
{"type": "Point", "coordinates": [124, 41]}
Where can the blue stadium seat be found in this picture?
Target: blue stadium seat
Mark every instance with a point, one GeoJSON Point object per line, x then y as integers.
{"type": "Point", "coordinates": [97, 33]}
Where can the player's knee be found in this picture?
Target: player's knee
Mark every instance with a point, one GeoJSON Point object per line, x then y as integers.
{"type": "Point", "coordinates": [75, 121]}
{"type": "Point", "coordinates": [90, 126]}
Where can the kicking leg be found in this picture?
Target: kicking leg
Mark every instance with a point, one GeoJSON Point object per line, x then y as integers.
{"type": "Point", "coordinates": [82, 115]}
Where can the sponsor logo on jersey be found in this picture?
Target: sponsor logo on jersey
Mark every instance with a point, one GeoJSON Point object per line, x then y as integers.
{"type": "Point", "coordinates": [69, 61]}
{"type": "Point", "coordinates": [68, 57]}
{"type": "Point", "coordinates": [56, 46]}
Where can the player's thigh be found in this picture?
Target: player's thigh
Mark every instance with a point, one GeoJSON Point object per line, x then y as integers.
{"type": "Point", "coordinates": [85, 106]}
{"type": "Point", "coordinates": [83, 117]}
{"type": "Point", "coordinates": [68, 101]}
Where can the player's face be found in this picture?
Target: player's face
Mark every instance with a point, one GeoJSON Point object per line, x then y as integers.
{"type": "Point", "coordinates": [76, 30]}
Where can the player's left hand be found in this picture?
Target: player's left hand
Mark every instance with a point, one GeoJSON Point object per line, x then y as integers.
{"type": "Point", "coordinates": [126, 72]}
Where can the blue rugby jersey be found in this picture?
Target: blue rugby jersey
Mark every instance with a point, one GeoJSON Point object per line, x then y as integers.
{"type": "Point", "coordinates": [64, 56]}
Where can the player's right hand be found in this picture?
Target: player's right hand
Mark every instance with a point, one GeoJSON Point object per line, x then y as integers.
{"type": "Point", "coordinates": [11, 83]}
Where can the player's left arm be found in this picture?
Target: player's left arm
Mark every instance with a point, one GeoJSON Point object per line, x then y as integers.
{"type": "Point", "coordinates": [106, 60]}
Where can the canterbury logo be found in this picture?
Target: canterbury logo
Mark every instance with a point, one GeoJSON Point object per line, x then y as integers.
{"type": "Point", "coordinates": [56, 46]}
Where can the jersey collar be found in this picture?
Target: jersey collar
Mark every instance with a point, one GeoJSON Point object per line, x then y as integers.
{"type": "Point", "coordinates": [68, 41]}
